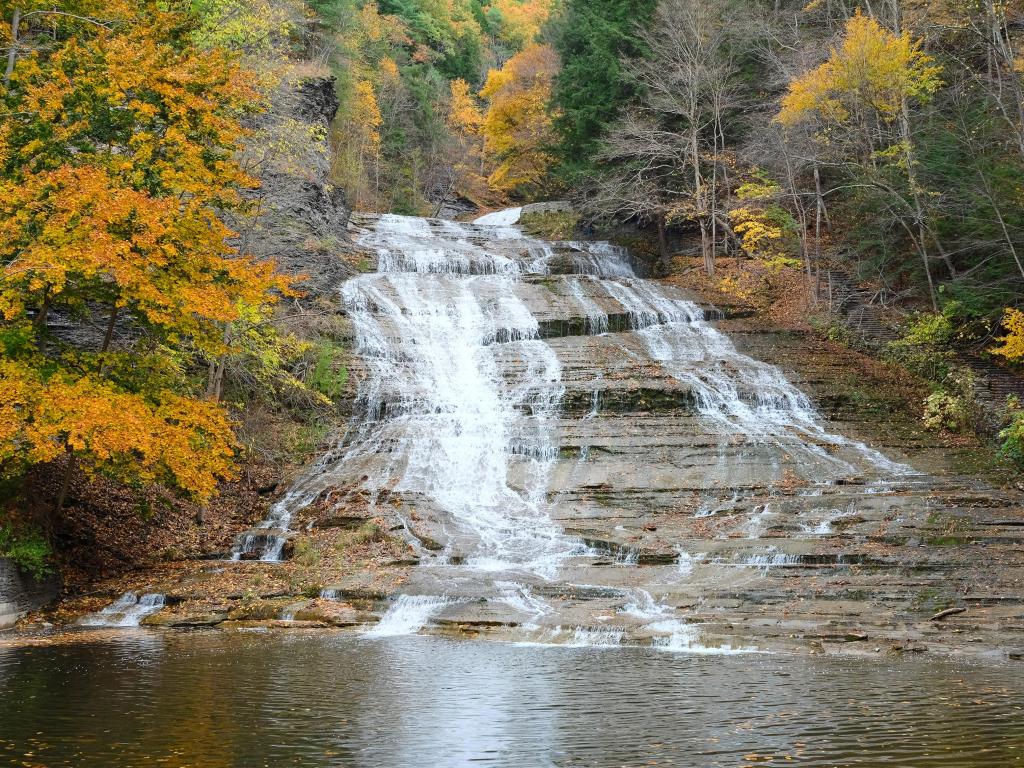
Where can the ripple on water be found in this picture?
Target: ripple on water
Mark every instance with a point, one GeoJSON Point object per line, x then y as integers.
{"type": "Point", "coordinates": [271, 699]}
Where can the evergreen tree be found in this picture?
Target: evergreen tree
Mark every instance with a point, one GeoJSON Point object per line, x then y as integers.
{"type": "Point", "coordinates": [593, 37]}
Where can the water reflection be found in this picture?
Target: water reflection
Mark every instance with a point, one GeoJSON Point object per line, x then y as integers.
{"type": "Point", "coordinates": [252, 699]}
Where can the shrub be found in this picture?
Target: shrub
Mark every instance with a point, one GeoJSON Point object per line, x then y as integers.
{"type": "Point", "coordinates": [953, 404]}
{"type": "Point", "coordinates": [929, 329]}
{"type": "Point", "coordinates": [923, 348]}
{"type": "Point", "coordinates": [1012, 436]}
{"type": "Point", "coordinates": [329, 374]}
{"type": "Point", "coordinates": [28, 549]}
{"type": "Point", "coordinates": [944, 410]}
{"type": "Point", "coordinates": [930, 364]}
{"type": "Point", "coordinates": [552, 225]}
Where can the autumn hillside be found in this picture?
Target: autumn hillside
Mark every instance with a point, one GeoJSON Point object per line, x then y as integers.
{"type": "Point", "coordinates": [176, 180]}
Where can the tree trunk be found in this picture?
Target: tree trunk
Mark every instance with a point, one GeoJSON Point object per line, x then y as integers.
{"type": "Point", "coordinates": [705, 247]}
{"type": "Point", "coordinates": [65, 483]}
{"type": "Point", "coordinates": [109, 335]}
{"type": "Point", "coordinates": [12, 53]}
{"type": "Point", "coordinates": [698, 191]}
{"type": "Point", "coordinates": [215, 376]}
{"type": "Point", "coordinates": [801, 213]}
{"type": "Point", "coordinates": [820, 198]}
{"type": "Point", "coordinates": [666, 257]}
{"type": "Point", "coordinates": [44, 310]}
{"type": "Point", "coordinates": [918, 207]}
{"type": "Point", "coordinates": [215, 384]}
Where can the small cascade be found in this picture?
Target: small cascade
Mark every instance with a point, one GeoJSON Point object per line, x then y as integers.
{"type": "Point", "coordinates": [678, 637]}
{"type": "Point", "coordinates": [644, 606]}
{"type": "Point", "coordinates": [596, 318]}
{"type": "Point", "coordinates": [827, 519]}
{"type": "Point", "coordinates": [668, 632]}
{"type": "Point", "coordinates": [770, 558]}
{"type": "Point", "coordinates": [127, 611]}
{"type": "Point", "coordinates": [408, 615]}
{"type": "Point", "coordinates": [267, 541]}
{"type": "Point", "coordinates": [596, 637]}
{"type": "Point", "coordinates": [686, 561]}
{"type": "Point", "coordinates": [521, 598]}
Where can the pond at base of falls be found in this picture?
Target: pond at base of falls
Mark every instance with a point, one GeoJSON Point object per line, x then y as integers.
{"type": "Point", "coordinates": [266, 699]}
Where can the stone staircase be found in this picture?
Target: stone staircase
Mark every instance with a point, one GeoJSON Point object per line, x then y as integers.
{"type": "Point", "coordinates": [856, 306]}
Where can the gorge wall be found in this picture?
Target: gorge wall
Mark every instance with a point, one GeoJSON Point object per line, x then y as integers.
{"type": "Point", "coordinates": [20, 593]}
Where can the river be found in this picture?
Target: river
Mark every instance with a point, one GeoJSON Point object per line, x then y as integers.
{"type": "Point", "coordinates": [215, 699]}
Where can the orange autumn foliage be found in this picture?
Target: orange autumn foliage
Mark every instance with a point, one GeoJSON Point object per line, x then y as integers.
{"type": "Point", "coordinates": [165, 438]}
{"type": "Point", "coordinates": [115, 166]}
{"type": "Point", "coordinates": [517, 128]}
{"type": "Point", "coordinates": [465, 123]}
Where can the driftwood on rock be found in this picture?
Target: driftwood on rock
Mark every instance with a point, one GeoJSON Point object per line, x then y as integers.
{"type": "Point", "coordinates": [948, 612]}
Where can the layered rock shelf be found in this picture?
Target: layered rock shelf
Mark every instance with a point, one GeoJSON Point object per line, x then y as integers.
{"type": "Point", "coordinates": [574, 455]}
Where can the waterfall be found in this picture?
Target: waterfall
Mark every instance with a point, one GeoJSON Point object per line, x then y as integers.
{"type": "Point", "coordinates": [501, 218]}
{"type": "Point", "coordinates": [462, 411]}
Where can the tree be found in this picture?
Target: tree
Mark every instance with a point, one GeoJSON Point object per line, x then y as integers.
{"type": "Point", "coordinates": [466, 121]}
{"type": "Point", "coordinates": [520, 21]}
{"type": "Point", "coordinates": [665, 160]}
{"type": "Point", "coordinates": [861, 98]}
{"type": "Point", "coordinates": [1013, 342]}
{"type": "Point", "coordinates": [592, 38]}
{"type": "Point", "coordinates": [517, 127]}
{"type": "Point", "coordinates": [117, 155]}
{"type": "Point", "coordinates": [448, 32]}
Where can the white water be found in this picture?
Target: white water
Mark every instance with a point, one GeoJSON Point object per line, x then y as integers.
{"type": "Point", "coordinates": [459, 407]}
{"type": "Point", "coordinates": [408, 615]}
{"type": "Point", "coordinates": [127, 611]}
{"type": "Point", "coordinates": [596, 318]}
{"type": "Point", "coordinates": [501, 218]}
{"type": "Point", "coordinates": [520, 598]}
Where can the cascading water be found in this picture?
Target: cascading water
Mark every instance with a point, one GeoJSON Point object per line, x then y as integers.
{"type": "Point", "coordinates": [127, 611]}
{"type": "Point", "coordinates": [461, 408]}
{"type": "Point", "coordinates": [408, 615]}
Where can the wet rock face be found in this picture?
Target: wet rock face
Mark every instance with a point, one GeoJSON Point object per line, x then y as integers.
{"type": "Point", "coordinates": [20, 593]}
{"type": "Point", "coordinates": [579, 456]}
{"type": "Point", "coordinates": [318, 100]}
{"type": "Point", "coordinates": [302, 217]}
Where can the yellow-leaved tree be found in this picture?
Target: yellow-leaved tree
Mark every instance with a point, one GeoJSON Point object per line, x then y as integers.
{"type": "Point", "coordinates": [517, 128]}
{"type": "Point", "coordinates": [765, 229]}
{"type": "Point", "coordinates": [1012, 347]}
{"type": "Point", "coordinates": [858, 103]}
{"type": "Point", "coordinates": [465, 122]}
{"type": "Point", "coordinates": [117, 155]}
{"type": "Point", "coordinates": [872, 72]}
{"type": "Point", "coordinates": [520, 21]}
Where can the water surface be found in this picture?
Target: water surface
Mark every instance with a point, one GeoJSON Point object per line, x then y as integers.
{"type": "Point", "coordinates": [264, 699]}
